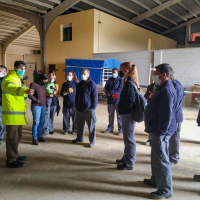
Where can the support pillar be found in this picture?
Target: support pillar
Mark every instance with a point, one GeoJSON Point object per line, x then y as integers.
{"type": "Point", "coordinates": [187, 35]}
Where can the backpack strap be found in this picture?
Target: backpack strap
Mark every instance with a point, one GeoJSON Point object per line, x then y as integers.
{"type": "Point", "coordinates": [134, 85]}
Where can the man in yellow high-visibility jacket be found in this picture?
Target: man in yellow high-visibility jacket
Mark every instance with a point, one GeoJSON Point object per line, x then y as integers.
{"type": "Point", "coordinates": [14, 113]}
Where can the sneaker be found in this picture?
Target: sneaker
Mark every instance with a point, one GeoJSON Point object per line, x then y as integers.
{"type": "Point", "coordinates": [158, 195]}
{"type": "Point", "coordinates": [51, 132]}
{"type": "Point", "coordinates": [66, 132]}
{"type": "Point", "coordinates": [91, 145]}
{"type": "Point", "coordinates": [41, 139]}
{"type": "Point", "coordinates": [1, 141]}
{"type": "Point", "coordinates": [148, 182]}
{"type": "Point", "coordinates": [120, 133]}
{"type": "Point", "coordinates": [197, 178]}
{"type": "Point", "coordinates": [76, 141]}
{"type": "Point", "coordinates": [22, 158]}
{"type": "Point", "coordinates": [124, 167]}
{"type": "Point", "coordinates": [119, 161]}
{"type": "Point", "coordinates": [107, 131]}
{"type": "Point", "coordinates": [16, 164]}
{"type": "Point", "coordinates": [35, 142]}
{"type": "Point", "coordinates": [148, 142]}
{"type": "Point", "coordinates": [74, 132]}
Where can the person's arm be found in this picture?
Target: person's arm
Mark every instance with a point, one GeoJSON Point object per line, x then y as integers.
{"type": "Point", "coordinates": [166, 111]}
{"type": "Point", "coordinates": [14, 90]}
{"type": "Point", "coordinates": [77, 94]}
{"type": "Point", "coordinates": [31, 97]}
{"type": "Point", "coordinates": [106, 87]}
{"type": "Point", "coordinates": [148, 93]}
{"type": "Point", "coordinates": [94, 96]}
{"type": "Point", "coordinates": [62, 90]}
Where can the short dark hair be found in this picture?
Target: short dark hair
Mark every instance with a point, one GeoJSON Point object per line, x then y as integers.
{"type": "Point", "coordinates": [3, 67]}
{"type": "Point", "coordinates": [115, 69]}
{"type": "Point", "coordinates": [165, 68]}
{"type": "Point", "coordinates": [86, 69]}
{"type": "Point", "coordinates": [18, 63]}
{"type": "Point", "coordinates": [43, 76]}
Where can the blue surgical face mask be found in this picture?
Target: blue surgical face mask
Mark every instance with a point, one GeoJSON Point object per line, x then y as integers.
{"type": "Point", "coordinates": [114, 75]}
{"type": "Point", "coordinates": [20, 72]}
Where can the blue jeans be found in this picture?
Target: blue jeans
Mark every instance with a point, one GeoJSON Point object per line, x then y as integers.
{"type": "Point", "coordinates": [38, 120]}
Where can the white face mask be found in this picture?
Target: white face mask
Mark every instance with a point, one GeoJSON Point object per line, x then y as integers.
{"type": "Point", "coordinates": [52, 80]}
{"type": "Point", "coordinates": [69, 78]}
{"type": "Point", "coordinates": [84, 77]}
{"type": "Point", "coordinates": [1, 74]}
{"type": "Point", "coordinates": [156, 79]}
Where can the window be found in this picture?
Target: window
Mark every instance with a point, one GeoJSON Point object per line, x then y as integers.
{"type": "Point", "coordinates": [67, 32]}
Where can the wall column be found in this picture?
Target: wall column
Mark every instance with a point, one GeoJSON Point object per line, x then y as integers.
{"type": "Point", "coordinates": [187, 35]}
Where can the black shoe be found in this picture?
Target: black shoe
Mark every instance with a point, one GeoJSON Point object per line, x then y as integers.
{"type": "Point", "coordinates": [16, 164]}
{"type": "Point", "coordinates": [158, 195]}
{"type": "Point", "coordinates": [148, 182]}
{"type": "Point", "coordinates": [41, 139]}
{"type": "Point", "coordinates": [52, 132]}
{"type": "Point", "coordinates": [35, 142]}
{"type": "Point", "coordinates": [76, 141]}
{"type": "Point", "coordinates": [22, 158]}
{"type": "Point", "coordinates": [124, 167]}
{"type": "Point", "coordinates": [119, 161]}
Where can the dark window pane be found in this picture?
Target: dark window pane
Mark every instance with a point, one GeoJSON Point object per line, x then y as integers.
{"type": "Point", "coordinates": [67, 34]}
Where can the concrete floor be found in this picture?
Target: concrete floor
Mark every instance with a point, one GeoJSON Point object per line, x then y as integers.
{"type": "Point", "coordinates": [59, 169]}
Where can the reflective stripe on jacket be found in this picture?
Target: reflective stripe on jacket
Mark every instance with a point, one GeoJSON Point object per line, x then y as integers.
{"type": "Point", "coordinates": [13, 104]}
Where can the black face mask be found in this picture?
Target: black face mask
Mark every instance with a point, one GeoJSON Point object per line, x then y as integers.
{"type": "Point", "coordinates": [121, 74]}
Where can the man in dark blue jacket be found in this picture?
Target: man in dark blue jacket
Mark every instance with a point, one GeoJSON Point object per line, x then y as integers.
{"type": "Point", "coordinates": [160, 121]}
{"type": "Point", "coordinates": [3, 73]}
{"type": "Point", "coordinates": [86, 103]}
{"type": "Point", "coordinates": [174, 142]}
{"type": "Point", "coordinates": [113, 90]}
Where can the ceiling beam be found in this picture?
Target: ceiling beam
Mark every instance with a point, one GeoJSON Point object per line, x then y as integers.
{"type": "Point", "coordinates": [141, 4]}
{"type": "Point", "coordinates": [15, 3]}
{"type": "Point", "coordinates": [153, 11]}
{"type": "Point", "coordinates": [186, 8]}
{"type": "Point", "coordinates": [6, 31]}
{"type": "Point", "coordinates": [55, 1]}
{"type": "Point", "coordinates": [76, 8]}
{"type": "Point", "coordinates": [134, 12]}
{"type": "Point", "coordinates": [45, 5]}
{"type": "Point", "coordinates": [8, 27]}
{"type": "Point", "coordinates": [104, 9]}
{"type": "Point", "coordinates": [167, 19]}
{"type": "Point", "coordinates": [180, 26]}
{"type": "Point", "coordinates": [197, 2]}
{"type": "Point", "coordinates": [58, 10]}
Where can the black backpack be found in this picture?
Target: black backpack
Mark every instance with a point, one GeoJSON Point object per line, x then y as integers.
{"type": "Point", "coordinates": [139, 105]}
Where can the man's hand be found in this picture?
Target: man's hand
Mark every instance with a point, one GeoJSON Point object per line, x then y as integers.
{"type": "Point", "coordinates": [108, 94]}
{"type": "Point", "coordinates": [150, 95]}
{"type": "Point", "coordinates": [30, 92]}
{"type": "Point", "coordinates": [46, 108]}
{"type": "Point", "coordinates": [51, 95]}
{"type": "Point", "coordinates": [55, 93]}
{"type": "Point", "coordinates": [64, 93]}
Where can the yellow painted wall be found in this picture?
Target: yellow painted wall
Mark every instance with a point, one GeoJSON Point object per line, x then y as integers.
{"type": "Point", "coordinates": [81, 45]}
{"type": "Point", "coordinates": [16, 52]}
{"type": "Point", "coordinates": [115, 35]}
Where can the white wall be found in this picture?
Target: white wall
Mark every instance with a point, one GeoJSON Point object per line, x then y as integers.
{"type": "Point", "coordinates": [142, 60]}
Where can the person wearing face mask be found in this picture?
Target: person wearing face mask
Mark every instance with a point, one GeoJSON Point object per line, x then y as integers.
{"type": "Point", "coordinates": [38, 107]}
{"type": "Point", "coordinates": [174, 141]}
{"type": "Point", "coordinates": [52, 101]}
{"type": "Point", "coordinates": [125, 108]}
{"type": "Point", "coordinates": [86, 103]}
{"type": "Point", "coordinates": [149, 93]}
{"type": "Point", "coordinates": [160, 121]}
{"type": "Point", "coordinates": [113, 90]}
{"type": "Point", "coordinates": [14, 113]}
{"type": "Point", "coordinates": [3, 74]}
{"type": "Point", "coordinates": [68, 92]}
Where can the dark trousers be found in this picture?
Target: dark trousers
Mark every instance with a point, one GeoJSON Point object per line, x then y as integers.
{"type": "Point", "coordinates": [111, 110]}
{"type": "Point", "coordinates": [160, 164]}
{"type": "Point", "coordinates": [90, 118]}
{"type": "Point", "coordinates": [67, 113]}
{"type": "Point", "coordinates": [14, 134]}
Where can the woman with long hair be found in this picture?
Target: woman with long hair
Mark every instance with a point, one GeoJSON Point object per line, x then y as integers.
{"type": "Point", "coordinates": [127, 99]}
{"type": "Point", "coordinates": [52, 103]}
{"type": "Point", "coordinates": [68, 92]}
{"type": "Point", "coordinates": [38, 107]}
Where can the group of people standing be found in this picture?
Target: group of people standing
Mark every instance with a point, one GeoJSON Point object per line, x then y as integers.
{"type": "Point", "coordinates": [163, 115]}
